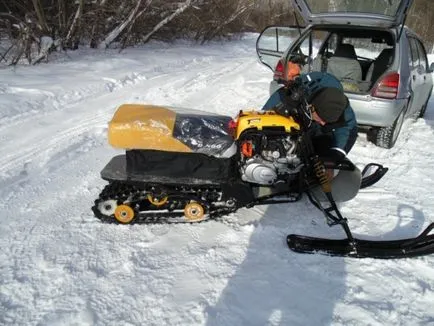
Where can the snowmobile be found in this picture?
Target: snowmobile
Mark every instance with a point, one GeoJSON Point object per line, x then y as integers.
{"type": "Point", "coordinates": [189, 166]}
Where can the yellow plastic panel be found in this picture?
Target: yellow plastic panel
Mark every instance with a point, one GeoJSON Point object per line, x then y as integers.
{"type": "Point", "coordinates": [261, 119]}
{"type": "Point", "coordinates": [136, 126]}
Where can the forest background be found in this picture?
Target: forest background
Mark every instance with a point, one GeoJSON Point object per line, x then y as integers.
{"type": "Point", "coordinates": [32, 29]}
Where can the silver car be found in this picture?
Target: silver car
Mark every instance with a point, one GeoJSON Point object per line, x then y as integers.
{"type": "Point", "coordinates": [381, 64]}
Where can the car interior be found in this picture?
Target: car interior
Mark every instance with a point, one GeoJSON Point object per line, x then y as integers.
{"type": "Point", "coordinates": [356, 57]}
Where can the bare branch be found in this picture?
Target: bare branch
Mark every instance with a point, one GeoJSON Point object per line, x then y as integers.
{"type": "Point", "coordinates": [181, 9]}
{"type": "Point", "coordinates": [118, 30]}
{"type": "Point", "coordinates": [75, 22]}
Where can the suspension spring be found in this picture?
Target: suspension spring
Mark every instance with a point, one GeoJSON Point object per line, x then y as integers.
{"type": "Point", "coordinates": [321, 174]}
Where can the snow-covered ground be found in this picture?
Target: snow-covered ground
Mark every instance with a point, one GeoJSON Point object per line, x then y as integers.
{"type": "Point", "coordinates": [61, 266]}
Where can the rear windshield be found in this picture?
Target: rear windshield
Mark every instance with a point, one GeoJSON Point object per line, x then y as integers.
{"type": "Point", "coordinates": [365, 48]}
{"type": "Point", "coordinates": [382, 7]}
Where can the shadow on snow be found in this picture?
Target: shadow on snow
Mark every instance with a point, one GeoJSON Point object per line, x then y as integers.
{"type": "Point", "coordinates": [275, 286]}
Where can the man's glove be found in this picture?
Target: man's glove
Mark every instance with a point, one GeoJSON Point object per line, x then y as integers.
{"type": "Point", "coordinates": [291, 99]}
{"type": "Point", "coordinates": [288, 105]}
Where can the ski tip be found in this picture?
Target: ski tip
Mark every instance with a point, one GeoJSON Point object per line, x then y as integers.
{"type": "Point", "coordinates": [371, 178]}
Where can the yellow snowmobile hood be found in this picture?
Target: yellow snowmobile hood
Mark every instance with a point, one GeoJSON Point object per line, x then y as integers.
{"type": "Point", "coordinates": [136, 126]}
{"type": "Point", "coordinates": [150, 127]}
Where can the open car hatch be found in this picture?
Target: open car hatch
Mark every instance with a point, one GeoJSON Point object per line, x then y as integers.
{"type": "Point", "coordinates": [375, 13]}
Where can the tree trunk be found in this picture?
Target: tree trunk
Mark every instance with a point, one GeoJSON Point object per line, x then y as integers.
{"type": "Point", "coordinates": [75, 24]}
{"type": "Point", "coordinates": [62, 16]}
{"type": "Point", "coordinates": [179, 11]}
{"type": "Point", "coordinates": [118, 30]}
{"type": "Point", "coordinates": [132, 23]}
{"type": "Point", "coordinates": [238, 12]}
{"type": "Point", "coordinates": [41, 17]}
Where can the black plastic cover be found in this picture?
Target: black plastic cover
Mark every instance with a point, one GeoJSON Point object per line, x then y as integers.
{"type": "Point", "coordinates": [174, 165]}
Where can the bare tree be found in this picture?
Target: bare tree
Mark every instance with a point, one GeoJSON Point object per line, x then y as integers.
{"type": "Point", "coordinates": [120, 28]}
{"type": "Point", "coordinates": [75, 24]}
{"type": "Point", "coordinates": [33, 28]}
{"type": "Point", "coordinates": [180, 10]}
{"type": "Point", "coordinates": [240, 9]}
{"type": "Point", "coordinates": [43, 25]}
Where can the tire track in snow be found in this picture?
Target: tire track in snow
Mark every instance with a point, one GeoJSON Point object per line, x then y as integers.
{"type": "Point", "coordinates": [52, 152]}
{"type": "Point", "coordinates": [56, 102]}
{"type": "Point", "coordinates": [58, 271]}
{"type": "Point", "coordinates": [50, 155]}
{"type": "Point", "coordinates": [45, 145]}
{"type": "Point", "coordinates": [14, 165]}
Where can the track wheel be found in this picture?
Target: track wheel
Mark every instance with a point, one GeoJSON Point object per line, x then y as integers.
{"type": "Point", "coordinates": [157, 200]}
{"type": "Point", "coordinates": [194, 212]}
{"type": "Point", "coordinates": [124, 214]}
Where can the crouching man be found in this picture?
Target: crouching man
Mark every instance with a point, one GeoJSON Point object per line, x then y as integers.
{"type": "Point", "coordinates": [333, 128]}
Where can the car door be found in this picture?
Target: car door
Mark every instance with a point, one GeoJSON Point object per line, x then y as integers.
{"type": "Point", "coordinates": [426, 72]}
{"type": "Point", "coordinates": [273, 42]}
{"type": "Point", "coordinates": [417, 77]}
{"type": "Point", "coordinates": [374, 13]}
{"type": "Point", "coordinates": [301, 48]}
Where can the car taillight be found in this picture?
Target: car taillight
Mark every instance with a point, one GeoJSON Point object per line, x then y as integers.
{"type": "Point", "coordinates": [279, 70]}
{"type": "Point", "coordinates": [387, 87]}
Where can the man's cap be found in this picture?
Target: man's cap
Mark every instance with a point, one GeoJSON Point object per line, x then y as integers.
{"type": "Point", "coordinates": [329, 103]}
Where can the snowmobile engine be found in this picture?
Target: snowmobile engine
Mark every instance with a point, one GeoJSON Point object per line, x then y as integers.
{"type": "Point", "coordinates": [267, 161]}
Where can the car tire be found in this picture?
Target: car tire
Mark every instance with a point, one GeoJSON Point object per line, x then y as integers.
{"type": "Point", "coordinates": [423, 108]}
{"type": "Point", "coordinates": [386, 137]}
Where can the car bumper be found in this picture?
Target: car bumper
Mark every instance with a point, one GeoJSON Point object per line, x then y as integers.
{"type": "Point", "coordinates": [371, 111]}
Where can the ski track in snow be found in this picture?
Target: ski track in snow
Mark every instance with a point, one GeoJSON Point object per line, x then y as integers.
{"type": "Point", "coordinates": [60, 266]}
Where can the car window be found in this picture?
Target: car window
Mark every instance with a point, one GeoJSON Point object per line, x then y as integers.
{"type": "Point", "coordinates": [273, 42]}
{"type": "Point", "coordinates": [387, 7]}
{"type": "Point", "coordinates": [364, 47]}
{"type": "Point", "coordinates": [422, 55]}
{"type": "Point", "coordinates": [332, 44]}
{"type": "Point", "coordinates": [414, 53]}
{"type": "Point", "coordinates": [318, 38]}
{"type": "Point", "coordinates": [277, 39]}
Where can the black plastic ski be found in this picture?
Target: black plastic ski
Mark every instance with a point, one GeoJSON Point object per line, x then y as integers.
{"type": "Point", "coordinates": [370, 178]}
{"type": "Point", "coordinates": [412, 247]}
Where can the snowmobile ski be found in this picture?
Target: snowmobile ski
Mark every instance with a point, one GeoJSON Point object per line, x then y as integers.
{"type": "Point", "coordinates": [371, 174]}
{"type": "Point", "coordinates": [404, 248]}
{"type": "Point", "coordinates": [357, 248]}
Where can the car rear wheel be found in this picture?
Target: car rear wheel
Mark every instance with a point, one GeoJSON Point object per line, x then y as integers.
{"type": "Point", "coordinates": [386, 137]}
